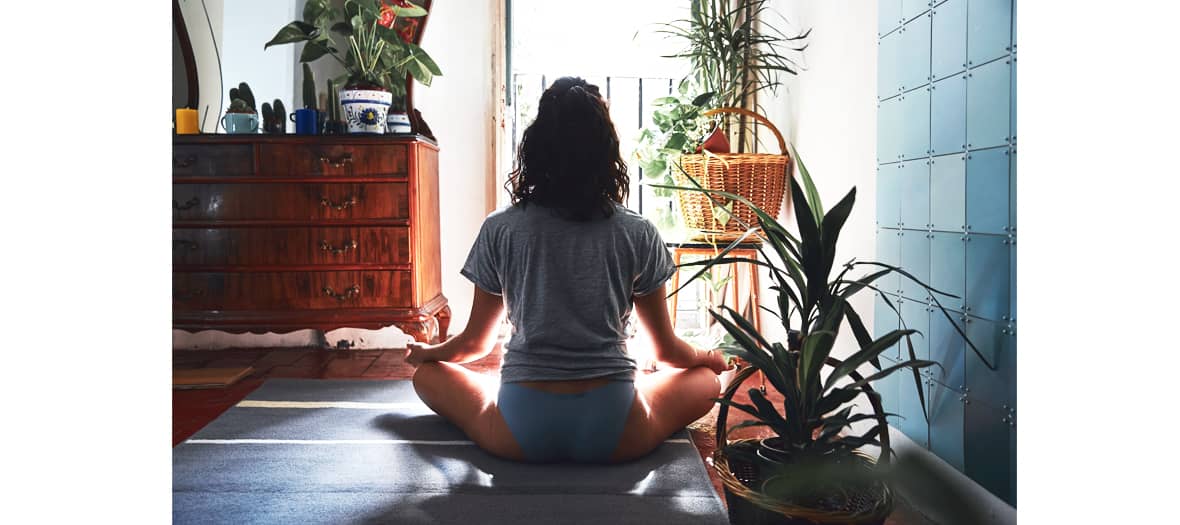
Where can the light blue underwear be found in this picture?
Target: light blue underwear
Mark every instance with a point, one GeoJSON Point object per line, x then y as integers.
{"type": "Point", "coordinates": [583, 428]}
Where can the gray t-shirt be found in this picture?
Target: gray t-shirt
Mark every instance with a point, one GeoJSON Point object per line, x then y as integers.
{"type": "Point", "coordinates": [568, 288]}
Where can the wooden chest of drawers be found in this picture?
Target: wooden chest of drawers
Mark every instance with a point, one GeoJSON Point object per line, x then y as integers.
{"type": "Point", "coordinates": [280, 233]}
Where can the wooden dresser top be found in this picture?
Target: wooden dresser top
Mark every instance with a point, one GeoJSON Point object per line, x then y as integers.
{"type": "Point", "coordinates": [225, 138]}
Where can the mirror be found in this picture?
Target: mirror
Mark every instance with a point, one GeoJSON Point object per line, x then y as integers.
{"type": "Point", "coordinates": [218, 44]}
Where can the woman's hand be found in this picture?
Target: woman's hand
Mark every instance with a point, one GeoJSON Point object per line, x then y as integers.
{"type": "Point", "coordinates": [420, 353]}
{"type": "Point", "coordinates": [713, 359]}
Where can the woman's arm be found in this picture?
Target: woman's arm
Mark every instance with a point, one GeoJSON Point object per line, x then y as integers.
{"type": "Point", "coordinates": [474, 342]}
{"type": "Point", "coordinates": [653, 313]}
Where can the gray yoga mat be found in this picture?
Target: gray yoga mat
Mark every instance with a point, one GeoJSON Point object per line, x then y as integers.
{"type": "Point", "coordinates": [398, 462]}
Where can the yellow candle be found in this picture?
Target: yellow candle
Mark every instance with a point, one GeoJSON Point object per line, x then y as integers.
{"type": "Point", "coordinates": [186, 122]}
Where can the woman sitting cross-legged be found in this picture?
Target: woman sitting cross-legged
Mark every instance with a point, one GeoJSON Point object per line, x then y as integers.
{"type": "Point", "coordinates": [569, 263]}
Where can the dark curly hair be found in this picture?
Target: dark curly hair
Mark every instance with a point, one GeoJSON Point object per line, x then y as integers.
{"type": "Point", "coordinates": [568, 158]}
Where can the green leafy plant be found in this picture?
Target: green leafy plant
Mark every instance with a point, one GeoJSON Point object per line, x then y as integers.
{"type": "Point", "coordinates": [735, 52]}
{"type": "Point", "coordinates": [679, 128]}
{"type": "Point", "coordinates": [811, 426]}
{"type": "Point", "coordinates": [371, 39]}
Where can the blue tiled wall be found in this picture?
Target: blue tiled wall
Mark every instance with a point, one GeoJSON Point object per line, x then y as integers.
{"type": "Point", "coordinates": [946, 212]}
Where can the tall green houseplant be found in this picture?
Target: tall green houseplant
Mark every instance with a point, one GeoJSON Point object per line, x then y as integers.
{"type": "Point", "coordinates": [812, 455]}
{"type": "Point", "coordinates": [736, 52]}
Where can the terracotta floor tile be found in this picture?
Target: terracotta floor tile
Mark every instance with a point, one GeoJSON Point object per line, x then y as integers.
{"type": "Point", "coordinates": [346, 368]}
{"type": "Point", "coordinates": [277, 358]}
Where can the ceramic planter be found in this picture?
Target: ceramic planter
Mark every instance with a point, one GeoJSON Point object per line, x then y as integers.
{"type": "Point", "coordinates": [365, 108]}
{"type": "Point", "coordinates": [398, 122]}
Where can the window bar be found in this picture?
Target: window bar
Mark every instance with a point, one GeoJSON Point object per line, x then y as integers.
{"type": "Point", "coordinates": [515, 114]}
{"type": "Point", "coordinates": [509, 77]}
{"type": "Point", "coordinates": [641, 123]}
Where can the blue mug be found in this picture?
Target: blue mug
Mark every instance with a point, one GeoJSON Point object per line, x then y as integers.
{"type": "Point", "coordinates": [240, 123]}
{"type": "Point", "coordinates": [307, 121]}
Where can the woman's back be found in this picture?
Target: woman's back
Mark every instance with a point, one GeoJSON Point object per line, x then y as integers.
{"type": "Point", "coordinates": [568, 262]}
{"type": "Point", "coordinates": [568, 286]}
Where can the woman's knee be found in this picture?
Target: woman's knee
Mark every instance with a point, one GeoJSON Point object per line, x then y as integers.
{"type": "Point", "coordinates": [706, 386]}
{"type": "Point", "coordinates": [426, 371]}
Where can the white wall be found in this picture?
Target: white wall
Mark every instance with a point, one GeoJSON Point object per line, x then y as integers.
{"type": "Point", "coordinates": [248, 26]}
{"type": "Point", "coordinates": [829, 112]}
{"type": "Point", "coordinates": [459, 107]}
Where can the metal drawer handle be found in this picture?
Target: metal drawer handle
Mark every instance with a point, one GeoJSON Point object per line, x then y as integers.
{"type": "Point", "coordinates": [182, 243]}
{"type": "Point", "coordinates": [185, 162]}
{"type": "Point", "coordinates": [191, 203]}
{"type": "Point", "coordinates": [345, 159]}
{"type": "Point", "coordinates": [346, 204]}
{"type": "Point", "coordinates": [351, 292]}
{"type": "Point", "coordinates": [327, 247]}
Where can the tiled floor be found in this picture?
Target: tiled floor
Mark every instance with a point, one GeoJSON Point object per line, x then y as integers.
{"type": "Point", "coordinates": [193, 409]}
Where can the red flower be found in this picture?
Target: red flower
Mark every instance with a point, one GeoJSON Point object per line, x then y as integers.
{"type": "Point", "coordinates": [387, 16]}
{"type": "Point", "coordinates": [407, 30]}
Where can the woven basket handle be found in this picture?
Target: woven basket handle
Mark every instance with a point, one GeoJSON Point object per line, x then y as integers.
{"type": "Point", "coordinates": [782, 144]}
{"type": "Point", "coordinates": [748, 371]}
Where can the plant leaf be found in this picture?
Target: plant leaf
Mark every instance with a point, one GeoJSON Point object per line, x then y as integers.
{"type": "Point", "coordinates": [864, 354]}
{"type": "Point", "coordinates": [294, 32]}
{"type": "Point", "coordinates": [812, 195]}
{"type": "Point", "coordinates": [914, 363]}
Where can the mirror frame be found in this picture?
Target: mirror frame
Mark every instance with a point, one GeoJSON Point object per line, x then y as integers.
{"type": "Point", "coordinates": [190, 61]}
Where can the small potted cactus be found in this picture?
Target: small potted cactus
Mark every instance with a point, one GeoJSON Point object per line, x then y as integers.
{"type": "Point", "coordinates": [274, 118]}
{"type": "Point", "coordinates": [333, 124]}
{"type": "Point", "coordinates": [241, 115]}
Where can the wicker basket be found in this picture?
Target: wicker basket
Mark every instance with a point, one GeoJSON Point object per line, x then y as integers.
{"type": "Point", "coordinates": [748, 506]}
{"type": "Point", "coordinates": [759, 177]}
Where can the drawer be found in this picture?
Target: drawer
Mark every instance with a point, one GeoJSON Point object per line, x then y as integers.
{"type": "Point", "coordinates": [259, 291]}
{"type": "Point", "coordinates": [333, 160]}
{"type": "Point", "coordinates": [291, 246]}
{"type": "Point", "coordinates": [290, 202]}
{"type": "Point", "coordinates": [205, 160]}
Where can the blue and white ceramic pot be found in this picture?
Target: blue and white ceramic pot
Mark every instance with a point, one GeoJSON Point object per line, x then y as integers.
{"type": "Point", "coordinates": [398, 122]}
{"type": "Point", "coordinates": [365, 108]}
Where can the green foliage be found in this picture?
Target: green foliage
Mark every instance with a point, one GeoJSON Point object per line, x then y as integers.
{"type": "Point", "coordinates": [308, 87]}
{"type": "Point", "coordinates": [354, 35]}
{"type": "Point", "coordinates": [814, 305]}
{"type": "Point", "coordinates": [736, 52]}
{"type": "Point", "coordinates": [679, 128]}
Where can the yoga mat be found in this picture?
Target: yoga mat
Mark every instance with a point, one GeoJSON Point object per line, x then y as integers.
{"type": "Point", "coordinates": [355, 451]}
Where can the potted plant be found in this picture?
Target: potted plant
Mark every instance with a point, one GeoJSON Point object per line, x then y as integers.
{"type": "Point", "coordinates": [736, 53]}
{"type": "Point", "coordinates": [811, 469]}
{"type": "Point", "coordinates": [241, 116]}
{"type": "Point", "coordinates": [274, 118]}
{"type": "Point", "coordinates": [372, 41]}
{"type": "Point", "coordinates": [679, 128]}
